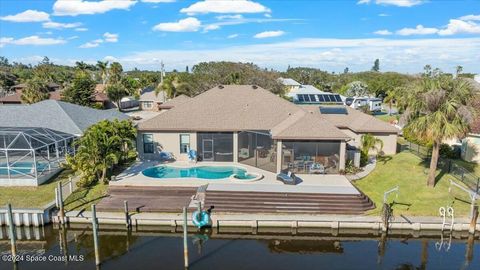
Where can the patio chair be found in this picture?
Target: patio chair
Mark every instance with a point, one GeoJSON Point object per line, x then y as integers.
{"type": "Point", "coordinates": [317, 168]}
{"type": "Point", "coordinates": [287, 178]}
{"type": "Point", "coordinates": [192, 155]}
{"type": "Point", "coordinates": [166, 156]}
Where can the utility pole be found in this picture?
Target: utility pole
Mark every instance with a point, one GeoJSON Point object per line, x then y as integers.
{"type": "Point", "coordinates": [162, 72]}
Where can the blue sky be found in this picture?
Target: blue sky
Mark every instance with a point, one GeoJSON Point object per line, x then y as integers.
{"type": "Point", "coordinates": [331, 35]}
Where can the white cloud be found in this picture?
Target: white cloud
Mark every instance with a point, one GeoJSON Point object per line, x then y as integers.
{"type": "Point", "coordinates": [223, 17]}
{"type": "Point", "coordinates": [31, 40]}
{"type": "Point", "coordinates": [404, 55]}
{"type": "Point", "coordinates": [89, 45]}
{"type": "Point", "coordinates": [110, 37]}
{"type": "Point", "coordinates": [460, 27]}
{"type": "Point", "coordinates": [268, 15]}
{"type": "Point", "coordinates": [419, 30]}
{"type": "Point", "coordinates": [225, 6]}
{"type": "Point", "coordinates": [269, 34]}
{"type": "Point", "coordinates": [398, 3]}
{"type": "Point", "coordinates": [57, 25]}
{"type": "Point", "coordinates": [107, 37]}
{"type": "Point", "coordinates": [78, 7]}
{"type": "Point", "coordinates": [233, 36]}
{"type": "Point", "coordinates": [383, 15]}
{"type": "Point", "coordinates": [470, 18]}
{"type": "Point", "coordinates": [383, 32]}
{"type": "Point", "coordinates": [190, 24]}
{"type": "Point", "coordinates": [158, 1]}
{"type": "Point", "coordinates": [27, 16]}
{"type": "Point", "coordinates": [81, 29]}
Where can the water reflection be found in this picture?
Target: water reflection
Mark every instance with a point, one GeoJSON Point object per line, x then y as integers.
{"type": "Point", "coordinates": [159, 248]}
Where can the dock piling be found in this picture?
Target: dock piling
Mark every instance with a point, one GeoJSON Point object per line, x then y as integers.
{"type": "Point", "coordinates": [60, 202]}
{"type": "Point", "coordinates": [185, 235]}
{"type": "Point", "coordinates": [95, 234]}
{"type": "Point", "coordinates": [13, 235]}
{"type": "Point", "coordinates": [473, 221]}
{"type": "Point", "coordinates": [127, 217]}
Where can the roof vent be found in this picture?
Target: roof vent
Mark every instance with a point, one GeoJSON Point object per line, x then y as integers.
{"type": "Point", "coordinates": [254, 86]}
{"type": "Point", "coordinates": [220, 86]}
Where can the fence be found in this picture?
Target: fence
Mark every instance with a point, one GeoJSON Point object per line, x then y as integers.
{"type": "Point", "coordinates": [447, 165]}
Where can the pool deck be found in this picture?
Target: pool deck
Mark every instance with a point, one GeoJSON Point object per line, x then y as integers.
{"type": "Point", "coordinates": [331, 184]}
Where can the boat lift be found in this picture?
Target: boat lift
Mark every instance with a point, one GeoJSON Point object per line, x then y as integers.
{"type": "Point", "coordinates": [473, 196]}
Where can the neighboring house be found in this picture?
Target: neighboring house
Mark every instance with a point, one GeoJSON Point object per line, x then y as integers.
{"type": "Point", "coordinates": [309, 94]}
{"type": "Point", "coordinates": [56, 115]}
{"type": "Point", "coordinates": [290, 84]}
{"type": "Point", "coordinates": [470, 150]}
{"type": "Point", "coordinates": [15, 96]}
{"type": "Point", "coordinates": [150, 101]}
{"type": "Point", "coordinates": [250, 125]}
{"type": "Point", "coordinates": [35, 139]}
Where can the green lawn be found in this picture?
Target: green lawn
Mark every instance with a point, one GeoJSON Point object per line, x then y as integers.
{"type": "Point", "coordinates": [83, 198]}
{"type": "Point", "coordinates": [32, 197]}
{"type": "Point", "coordinates": [386, 117]}
{"type": "Point", "coordinates": [415, 199]}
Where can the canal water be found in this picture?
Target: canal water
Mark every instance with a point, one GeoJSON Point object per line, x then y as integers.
{"type": "Point", "coordinates": [149, 248]}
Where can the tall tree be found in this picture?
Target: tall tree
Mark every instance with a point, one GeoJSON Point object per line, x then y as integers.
{"type": "Point", "coordinates": [35, 91]}
{"type": "Point", "coordinates": [376, 65]}
{"type": "Point", "coordinates": [115, 73]}
{"type": "Point", "coordinates": [103, 68]}
{"type": "Point", "coordinates": [81, 91]}
{"type": "Point", "coordinates": [115, 93]}
{"type": "Point", "coordinates": [438, 109]}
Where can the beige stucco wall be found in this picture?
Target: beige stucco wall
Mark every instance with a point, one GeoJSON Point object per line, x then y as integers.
{"type": "Point", "coordinates": [165, 141]}
{"type": "Point", "coordinates": [471, 148]}
{"type": "Point", "coordinates": [389, 140]}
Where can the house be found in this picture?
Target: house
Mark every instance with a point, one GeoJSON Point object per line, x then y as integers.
{"type": "Point", "coordinates": [249, 125]}
{"type": "Point", "coordinates": [470, 149]}
{"type": "Point", "coordinates": [100, 98]}
{"type": "Point", "coordinates": [309, 94]}
{"type": "Point", "coordinates": [355, 124]}
{"type": "Point", "coordinates": [150, 101]}
{"type": "Point", "coordinates": [176, 101]}
{"type": "Point", "coordinates": [35, 139]}
{"type": "Point", "coordinates": [290, 84]}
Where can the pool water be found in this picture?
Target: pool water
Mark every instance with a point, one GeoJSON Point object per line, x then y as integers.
{"type": "Point", "coordinates": [202, 172]}
{"type": "Point", "coordinates": [21, 167]}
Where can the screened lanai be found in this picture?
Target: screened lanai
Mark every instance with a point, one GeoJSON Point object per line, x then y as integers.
{"type": "Point", "coordinates": [31, 156]}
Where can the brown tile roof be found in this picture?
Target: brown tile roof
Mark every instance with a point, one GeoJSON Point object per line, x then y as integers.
{"type": "Point", "coordinates": [354, 120]}
{"type": "Point", "coordinates": [243, 107]}
{"type": "Point", "coordinates": [55, 95]}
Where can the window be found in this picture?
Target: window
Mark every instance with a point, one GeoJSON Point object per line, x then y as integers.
{"type": "Point", "coordinates": [184, 143]}
{"type": "Point", "coordinates": [148, 104]}
{"type": "Point", "coordinates": [148, 144]}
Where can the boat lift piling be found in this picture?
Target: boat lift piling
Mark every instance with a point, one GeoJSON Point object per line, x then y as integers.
{"type": "Point", "coordinates": [12, 233]}
{"type": "Point", "coordinates": [60, 202]}
{"type": "Point", "coordinates": [185, 235]}
{"type": "Point", "coordinates": [95, 235]}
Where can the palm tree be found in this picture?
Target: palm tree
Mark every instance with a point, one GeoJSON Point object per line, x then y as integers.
{"type": "Point", "coordinates": [437, 110]}
{"type": "Point", "coordinates": [371, 143]}
{"type": "Point", "coordinates": [103, 67]}
{"type": "Point", "coordinates": [115, 73]}
{"type": "Point", "coordinates": [389, 98]}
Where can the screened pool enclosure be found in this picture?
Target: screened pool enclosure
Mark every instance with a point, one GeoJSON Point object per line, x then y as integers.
{"type": "Point", "coordinates": [30, 156]}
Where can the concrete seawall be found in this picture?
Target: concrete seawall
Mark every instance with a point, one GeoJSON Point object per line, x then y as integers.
{"type": "Point", "coordinates": [294, 222]}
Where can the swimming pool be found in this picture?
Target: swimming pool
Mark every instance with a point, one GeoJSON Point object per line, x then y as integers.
{"type": "Point", "coordinates": [21, 168]}
{"type": "Point", "coordinates": [202, 172]}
